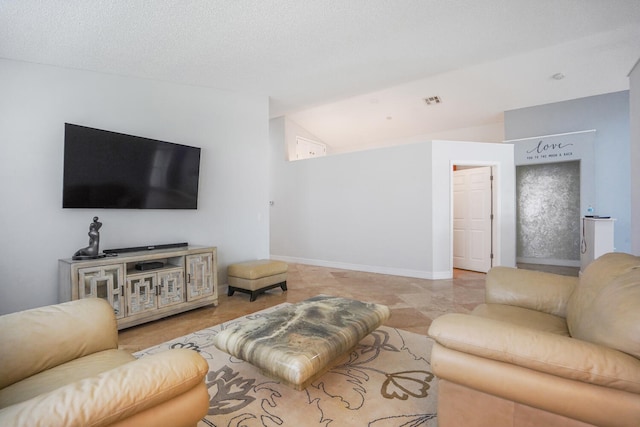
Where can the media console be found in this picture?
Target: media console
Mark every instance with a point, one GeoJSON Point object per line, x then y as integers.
{"type": "Point", "coordinates": [184, 278]}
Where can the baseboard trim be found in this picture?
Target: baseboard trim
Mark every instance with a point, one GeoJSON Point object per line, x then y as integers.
{"type": "Point", "coordinates": [549, 261]}
{"type": "Point", "coordinates": [419, 274]}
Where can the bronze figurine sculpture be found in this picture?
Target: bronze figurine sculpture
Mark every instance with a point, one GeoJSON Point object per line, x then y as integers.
{"type": "Point", "coordinates": [93, 250]}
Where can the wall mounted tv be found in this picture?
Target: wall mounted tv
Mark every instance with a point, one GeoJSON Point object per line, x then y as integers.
{"type": "Point", "coordinates": [112, 170]}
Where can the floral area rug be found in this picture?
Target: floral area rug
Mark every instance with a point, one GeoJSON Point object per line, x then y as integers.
{"type": "Point", "coordinates": [386, 381]}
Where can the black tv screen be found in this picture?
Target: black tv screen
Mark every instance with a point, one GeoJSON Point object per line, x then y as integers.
{"type": "Point", "coordinates": [104, 169]}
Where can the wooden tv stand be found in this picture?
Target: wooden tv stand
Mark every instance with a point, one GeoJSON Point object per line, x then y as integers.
{"type": "Point", "coordinates": [187, 279]}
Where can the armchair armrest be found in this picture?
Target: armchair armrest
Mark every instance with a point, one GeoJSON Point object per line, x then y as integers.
{"type": "Point", "coordinates": [113, 395]}
{"type": "Point", "coordinates": [541, 351]}
{"type": "Point", "coordinates": [530, 289]}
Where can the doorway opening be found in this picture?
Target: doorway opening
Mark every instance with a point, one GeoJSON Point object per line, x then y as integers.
{"type": "Point", "coordinates": [473, 217]}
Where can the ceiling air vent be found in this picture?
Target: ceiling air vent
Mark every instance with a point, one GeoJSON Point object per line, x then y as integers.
{"type": "Point", "coordinates": [432, 100]}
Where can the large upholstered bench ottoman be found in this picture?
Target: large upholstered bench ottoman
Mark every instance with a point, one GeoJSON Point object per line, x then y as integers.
{"type": "Point", "coordinates": [297, 343]}
{"type": "Point", "coordinates": [255, 277]}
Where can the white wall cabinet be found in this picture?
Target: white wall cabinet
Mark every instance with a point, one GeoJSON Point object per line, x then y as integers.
{"type": "Point", "coordinates": [186, 280]}
{"type": "Point", "coordinates": [307, 149]}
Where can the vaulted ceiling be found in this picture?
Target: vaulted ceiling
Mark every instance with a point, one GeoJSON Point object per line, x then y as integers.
{"type": "Point", "coordinates": [352, 72]}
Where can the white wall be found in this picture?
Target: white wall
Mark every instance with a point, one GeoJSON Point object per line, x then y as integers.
{"type": "Point", "coordinates": [490, 132]}
{"type": "Point", "coordinates": [634, 114]}
{"type": "Point", "coordinates": [365, 211]}
{"type": "Point", "coordinates": [385, 210]}
{"type": "Point", "coordinates": [36, 101]}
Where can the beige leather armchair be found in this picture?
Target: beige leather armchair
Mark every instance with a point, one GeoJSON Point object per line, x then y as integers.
{"type": "Point", "coordinates": [60, 366]}
{"type": "Point", "coordinates": [544, 350]}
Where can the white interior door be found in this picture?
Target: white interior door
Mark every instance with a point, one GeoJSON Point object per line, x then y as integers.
{"type": "Point", "coordinates": [472, 216]}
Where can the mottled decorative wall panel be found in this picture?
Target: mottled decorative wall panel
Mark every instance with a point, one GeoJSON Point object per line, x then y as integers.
{"type": "Point", "coordinates": [548, 209]}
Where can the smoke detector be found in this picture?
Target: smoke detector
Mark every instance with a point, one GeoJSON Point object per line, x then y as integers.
{"type": "Point", "coordinates": [432, 100]}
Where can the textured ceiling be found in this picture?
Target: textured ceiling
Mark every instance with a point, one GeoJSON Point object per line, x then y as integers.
{"type": "Point", "coordinates": [337, 66]}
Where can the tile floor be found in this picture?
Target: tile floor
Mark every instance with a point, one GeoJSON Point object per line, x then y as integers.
{"type": "Point", "coordinates": [414, 303]}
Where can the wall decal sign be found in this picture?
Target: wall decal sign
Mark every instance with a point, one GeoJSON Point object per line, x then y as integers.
{"type": "Point", "coordinates": [554, 148]}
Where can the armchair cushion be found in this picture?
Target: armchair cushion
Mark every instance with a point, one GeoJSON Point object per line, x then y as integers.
{"type": "Point", "coordinates": [604, 308]}
{"type": "Point", "coordinates": [523, 317]}
{"type": "Point", "coordinates": [64, 374]}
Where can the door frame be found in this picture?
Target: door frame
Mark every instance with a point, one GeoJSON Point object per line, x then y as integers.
{"type": "Point", "coordinates": [444, 155]}
{"type": "Point", "coordinates": [496, 223]}
{"type": "Point", "coordinates": [492, 195]}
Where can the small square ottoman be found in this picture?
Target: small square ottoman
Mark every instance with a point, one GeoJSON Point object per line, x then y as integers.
{"type": "Point", "coordinates": [297, 343]}
{"type": "Point", "coordinates": [255, 277]}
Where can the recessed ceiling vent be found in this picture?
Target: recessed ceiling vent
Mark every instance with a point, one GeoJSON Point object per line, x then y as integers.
{"type": "Point", "coordinates": [432, 100]}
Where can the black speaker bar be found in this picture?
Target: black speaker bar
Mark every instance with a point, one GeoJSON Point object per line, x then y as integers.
{"type": "Point", "coordinates": [145, 248]}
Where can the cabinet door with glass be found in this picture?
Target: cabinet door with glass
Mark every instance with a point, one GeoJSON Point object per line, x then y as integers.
{"type": "Point", "coordinates": [200, 280]}
{"type": "Point", "coordinates": [106, 282]}
{"type": "Point", "coordinates": [170, 287]}
{"type": "Point", "coordinates": [141, 293]}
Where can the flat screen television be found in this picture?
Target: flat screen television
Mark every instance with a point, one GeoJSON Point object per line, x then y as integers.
{"type": "Point", "coordinates": [110, 170]}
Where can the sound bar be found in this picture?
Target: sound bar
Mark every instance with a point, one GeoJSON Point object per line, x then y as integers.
{"type": "Point", "coordinates": [145, 248]}
{"type": "Point", "coordinates": [151, 265]}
